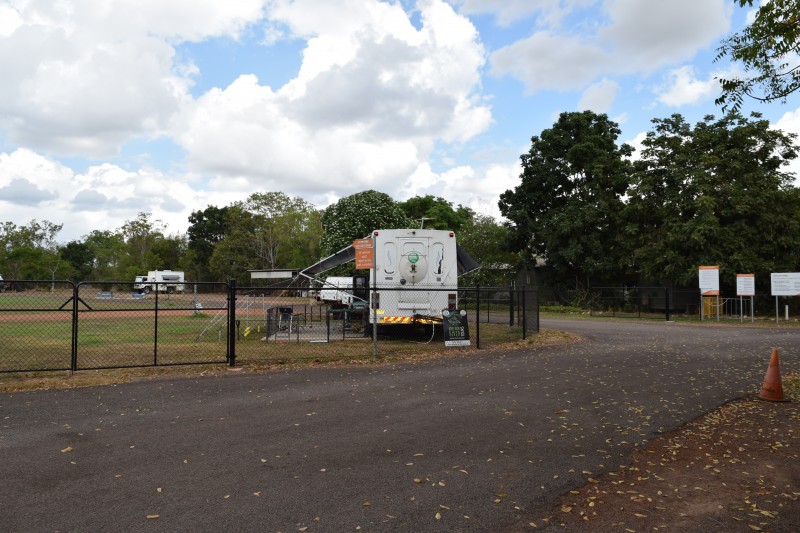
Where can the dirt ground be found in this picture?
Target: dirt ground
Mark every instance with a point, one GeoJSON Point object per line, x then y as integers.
{"type": "Point", "coordinates": [734, 469]}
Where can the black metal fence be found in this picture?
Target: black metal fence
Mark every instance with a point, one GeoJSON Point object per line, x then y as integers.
{"type": "Point", "coordinates": [635, 302]}
{"type": "Point", "coordinates": [59, 325]}
{"type": "Point", "coordinates": [663, 303]}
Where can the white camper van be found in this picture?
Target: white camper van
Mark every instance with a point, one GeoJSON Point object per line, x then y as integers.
{"type": "Point", "coordinates": [416, 275]}
{"type": "Point", "coordinates": [168, 281]}
{"type": "Point", "coordinates": [337, 290]}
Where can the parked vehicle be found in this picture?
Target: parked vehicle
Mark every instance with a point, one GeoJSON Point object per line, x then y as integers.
{"type": "Point", "coordinates": [167, 281]}
{"type": "Point", "coordinates": [415, 276]}
{"type": "Point", "coordinates": [338, 290]}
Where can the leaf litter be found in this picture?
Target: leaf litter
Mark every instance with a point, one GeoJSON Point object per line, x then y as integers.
{"type": "Point", "coordinates": [733, 469]}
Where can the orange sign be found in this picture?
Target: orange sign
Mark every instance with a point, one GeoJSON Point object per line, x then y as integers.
{"type": "Point", "coordinates": [365, 258]}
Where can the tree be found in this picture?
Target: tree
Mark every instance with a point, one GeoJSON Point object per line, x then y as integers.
{"type": "Point", "coordinates": [31, 251]}
{"type": "Point", "coordinates": [769, 50]}
{"type": "Point", "coordinates": [483, 238]}
{"type": "Point", "coordinates": [207, 228]}
{"type": "Point", "coordinates": [140, 236]}
{"type": "Point", "coordinates": [713, 194]}
{"type": "Point", "coordinates": [108, 252]}
{"type": "Point", "coordinates": [356, 216]}
{"type": "Point", "coordinates": [268, 230]}
{"type": "Point", "coordinates": [80, 258]}
{"type": "Point", "coordinates": [436, 213]}
{"type": "Point", "coordinates": [567, 208]}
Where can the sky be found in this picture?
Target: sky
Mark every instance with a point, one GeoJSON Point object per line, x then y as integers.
{"type": "Point", "coordinates": [111, 108]}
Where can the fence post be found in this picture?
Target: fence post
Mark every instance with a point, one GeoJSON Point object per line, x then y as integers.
{"type": "Point", "coordinates": [511, 304]}
{"type": "Point", "coordinates": [74, 355]}
{"type": "Point", "coordinates": [666, 302]}
{"type": "Point", "coordinates": [232, 323]}
{"type": "Point", "coordinates": [478, 315]}
{"type": "Point", "coordinates": [524, 313]}
{"type": "Point", "coordinates": [155, 329]}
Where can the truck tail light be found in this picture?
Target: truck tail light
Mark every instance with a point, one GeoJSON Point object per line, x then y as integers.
{"type": "Point", "coordinates": [376, 300]}
{"type": "Point", "coordinates": [452, 303]}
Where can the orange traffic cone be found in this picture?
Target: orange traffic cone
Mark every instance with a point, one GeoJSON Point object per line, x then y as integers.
{"type": "Point", "coordinates": [772, 389]}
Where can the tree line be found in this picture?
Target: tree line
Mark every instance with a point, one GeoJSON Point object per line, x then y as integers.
{"type": "Point", "coordinates": [587, 211]}
{"type": "Point", "coordinates": [266, 231]}
{"type": "Point", "coordinates": [715, 193]}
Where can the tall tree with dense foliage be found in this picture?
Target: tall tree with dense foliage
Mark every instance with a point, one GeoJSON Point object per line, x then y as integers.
{"type": "Point", "coordinates": [206, 229]}
{"type": "Point", "coordinates": [714, 194]}
{"type": "Point", "coordinates": [356, 216]}
{"type": "Point", "coordinates": [769, 51]}
{"type": "Point", "coordinates": [109, 253]}
{"type": "Point", "coordinates": [436, 213]}
{"type": "Point", "coordinates": [267, 231]}
{"type": "Point", "coordinates": [567, 208]}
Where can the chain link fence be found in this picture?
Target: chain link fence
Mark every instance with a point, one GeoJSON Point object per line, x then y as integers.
{"type": "Point", "coordinates": [59, 325]}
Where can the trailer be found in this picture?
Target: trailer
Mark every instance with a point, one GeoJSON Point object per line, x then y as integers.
{"type": "Point", "coordinates": [414, 277]}
{"type": "Point", "coordinates": [337, 290]}
{"type": "Point", "coordinates": [168, 281]}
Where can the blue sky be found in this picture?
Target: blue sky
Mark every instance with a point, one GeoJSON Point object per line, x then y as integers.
{"type": "Point", "coordinates": [111, 108]}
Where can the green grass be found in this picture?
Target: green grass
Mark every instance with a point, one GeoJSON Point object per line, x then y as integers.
{"type": "Point", "coordinates": [115, 340]}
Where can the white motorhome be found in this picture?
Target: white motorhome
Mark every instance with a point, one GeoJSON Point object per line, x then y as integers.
{"type": "Point", "coordinates": [337, 290]}
{"type": "Point", "coordinates": [415, 274]}
{"type": "Point", "coordinates": [168, 281]}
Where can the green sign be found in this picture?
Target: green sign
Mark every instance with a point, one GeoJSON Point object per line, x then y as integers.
{"type": "Point", "coordinates": [413, 257]}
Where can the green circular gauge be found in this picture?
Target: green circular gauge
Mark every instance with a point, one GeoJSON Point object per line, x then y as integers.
{"type": "Point", "coordinates": [413, 257]}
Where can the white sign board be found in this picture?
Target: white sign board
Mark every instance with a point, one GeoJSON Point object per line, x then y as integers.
{"type": "Point", "coordinates": [745, 284]}
{"type": "Point", "coordinates": [709, 280]}
{"type": "Point", "coordinates": [785, 284]}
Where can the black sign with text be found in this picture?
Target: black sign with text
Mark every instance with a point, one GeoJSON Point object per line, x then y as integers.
{"type": "Point", "coordinates": [456, 328]}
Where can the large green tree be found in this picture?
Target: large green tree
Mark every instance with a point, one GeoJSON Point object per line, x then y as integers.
{"type": "Point", "coordinates": [567, 208]}
{"type": "Point", "coordinates": [267, 231]}
{"type": "Point", "coordinates": [769, 51]}
{"type": "Point", "coordinates": [713, 194]}
{"type": "Point", "coordinates": [206, 229]}
{"type": "Point", "coordinates": [356, 216]}
{"type": "Point", "coordinates": [436, 212]}
{"type": "Point", "coordinates": [108, 255]}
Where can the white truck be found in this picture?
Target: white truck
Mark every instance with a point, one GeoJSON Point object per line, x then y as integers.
{"type": "Point", "coordinates": [416, 275]}
{"type": "Point", "coordinates": [168, 281]}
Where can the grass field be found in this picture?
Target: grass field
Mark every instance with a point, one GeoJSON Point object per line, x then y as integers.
{"type": "Point", "coordinates": [36, 332]}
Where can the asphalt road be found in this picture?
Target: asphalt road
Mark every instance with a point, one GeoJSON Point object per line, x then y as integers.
{"type": "Point", "coordinates": [479, 443]}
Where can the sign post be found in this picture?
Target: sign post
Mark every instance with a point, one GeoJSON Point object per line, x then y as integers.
{"type": "Point", "coordinates": [746, 286]}
{"type": "Point", "coordinates": [709, 286]}
{"type": "Point", "coordinates": [365, 259]}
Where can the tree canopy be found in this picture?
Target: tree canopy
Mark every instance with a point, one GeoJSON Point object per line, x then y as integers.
{"type": "Point", "coordinates": [769, 51]}
{"type": "Point", "coordinates": [713, 194]}
{"type": "Point", "coordinates": [356, 216]}
{"type": "Point", "coordinates": [436, 213]}
{"type": "Point", "coordinates": [567, 208]}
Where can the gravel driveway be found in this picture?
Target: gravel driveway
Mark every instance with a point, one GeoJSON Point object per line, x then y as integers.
{"type": "Point", "coordinates": [484, 442]}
